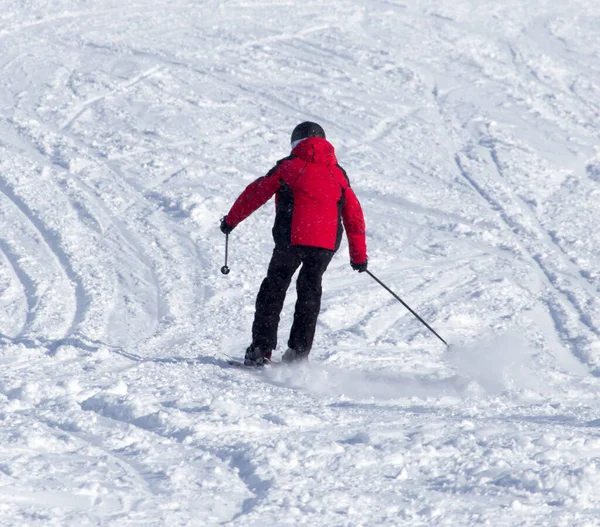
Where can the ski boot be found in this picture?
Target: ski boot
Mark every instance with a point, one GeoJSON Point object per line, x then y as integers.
{"type": "Point", "coordinates": [257, 357]}
{"type": "Point", "coordinates": [293, 356]}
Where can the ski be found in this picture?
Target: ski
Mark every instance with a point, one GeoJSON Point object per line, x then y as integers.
{"type": "Point", "coordinates": [240, 364]}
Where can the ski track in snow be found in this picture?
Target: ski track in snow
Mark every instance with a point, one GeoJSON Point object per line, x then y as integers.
{"type": "Point", "coordinates": [469, 131]}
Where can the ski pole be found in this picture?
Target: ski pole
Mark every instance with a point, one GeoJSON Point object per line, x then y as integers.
{"type": "Point", "coordinates": [225, 269]}
{"type": "Point", "coordinates": [405, 305]}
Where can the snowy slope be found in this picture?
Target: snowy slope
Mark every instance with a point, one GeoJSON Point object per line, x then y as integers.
{"type": "Point", "coordinates": [469, 130]}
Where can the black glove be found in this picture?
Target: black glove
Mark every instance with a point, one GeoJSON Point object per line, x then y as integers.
{"type": "Point", "coordinates": [225, 229]}
{"type": "Point", "coordinates": [360, 267]}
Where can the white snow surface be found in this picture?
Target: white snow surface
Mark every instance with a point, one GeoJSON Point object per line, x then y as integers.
{"type": "Point", "coordinates": [470, 133]}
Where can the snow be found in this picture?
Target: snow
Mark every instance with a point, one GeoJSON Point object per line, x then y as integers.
{"type": "Point", "coordinates": [469, 131]}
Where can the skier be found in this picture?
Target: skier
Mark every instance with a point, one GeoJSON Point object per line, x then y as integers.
{"type": "Point", "coordinates": [313, 198]}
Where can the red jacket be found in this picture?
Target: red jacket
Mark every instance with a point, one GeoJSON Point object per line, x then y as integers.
{"type": "Point", "coordinates": [313, 198]}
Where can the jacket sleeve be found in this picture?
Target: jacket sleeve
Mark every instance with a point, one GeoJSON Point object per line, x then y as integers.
{"type": "Point", "coordinates": [354, 223]}
{"type": "Point", "coordinates": [254, 196]}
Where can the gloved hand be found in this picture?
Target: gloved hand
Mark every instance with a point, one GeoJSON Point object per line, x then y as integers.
{"type": "Point", "coordinates": [225, 229]}
{"type": "Point", "coordinates": [360, 267]}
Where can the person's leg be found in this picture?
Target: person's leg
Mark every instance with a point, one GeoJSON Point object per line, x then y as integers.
{"type": "Point", "coordinates": [270, 298]}
{"type": "Point", "coordinates": [314, 263]}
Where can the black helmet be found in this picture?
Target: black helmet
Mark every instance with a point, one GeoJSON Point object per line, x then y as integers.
{"type": "Point", "coordinates": [306, 130]}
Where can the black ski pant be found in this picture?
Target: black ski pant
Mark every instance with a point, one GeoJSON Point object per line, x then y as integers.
{"type": "Point", "coordinates": [269, 302]}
